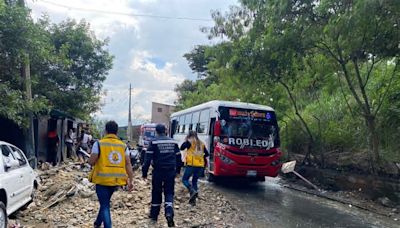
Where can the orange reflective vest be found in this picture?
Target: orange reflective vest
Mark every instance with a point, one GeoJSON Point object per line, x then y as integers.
{"type": "Point", "coordinates": [109, 169]}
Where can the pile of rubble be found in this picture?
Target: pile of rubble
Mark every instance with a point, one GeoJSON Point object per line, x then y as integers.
{"type": "Point", "coordinates": [65, 198]}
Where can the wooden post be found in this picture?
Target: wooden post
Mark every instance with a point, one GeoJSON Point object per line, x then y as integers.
{"type": "Point", "coordinates": [129, 130]}
{"type": "Point", "coordinates": [29, 133]}
{"type": "Point", "coordinates": [307, 181]}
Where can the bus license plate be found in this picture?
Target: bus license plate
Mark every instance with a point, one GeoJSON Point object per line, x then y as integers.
{"type": "Point", "coordinates": [251, 173]}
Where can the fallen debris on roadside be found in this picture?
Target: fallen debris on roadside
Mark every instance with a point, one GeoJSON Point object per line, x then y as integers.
{"type": "Point", "coordinates": [65, 198]}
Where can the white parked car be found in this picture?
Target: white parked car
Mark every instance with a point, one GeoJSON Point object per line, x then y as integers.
{"type": "Point", "coordinates": [18, 181]}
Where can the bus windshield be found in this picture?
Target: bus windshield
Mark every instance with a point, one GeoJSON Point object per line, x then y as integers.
{"type": "Point", "coordinates": [149, 134]}
{"type": "Point", "coordinates": [249, 128]}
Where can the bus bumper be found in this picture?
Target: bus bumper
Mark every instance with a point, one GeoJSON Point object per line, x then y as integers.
{"type": "Point", "coordinates": [247, 171]}
{"type": "Point", "coordinates": [223, 169]}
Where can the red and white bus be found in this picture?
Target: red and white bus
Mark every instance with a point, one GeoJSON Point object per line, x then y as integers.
{"type": "Point", "coordinates": [243, 138]}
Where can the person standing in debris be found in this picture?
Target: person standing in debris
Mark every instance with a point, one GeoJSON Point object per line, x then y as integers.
{"type": "Point", "coordinates": [52, 146]}
{"type": "Point", "coordinates": [84, 141]}
{"type": "Point", "coordinates": [111, 168]}
{"type": "Point", "coordinates": [195, 161]}
{"type": "Point", "coordinates": [69, 142]}
{"type": "Point", "coordinates": [83, 144]}
{"type": "Point", "coordinates": [162, 151]}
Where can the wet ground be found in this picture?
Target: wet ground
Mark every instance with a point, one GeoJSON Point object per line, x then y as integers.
{"type": "Point", "coordinates": [269, 204]}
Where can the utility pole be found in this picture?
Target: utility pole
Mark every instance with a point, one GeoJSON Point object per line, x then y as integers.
{"type": "Point", "coordinates": [129, 130]}
{"type": "Point", "coordinates": [26, 76]}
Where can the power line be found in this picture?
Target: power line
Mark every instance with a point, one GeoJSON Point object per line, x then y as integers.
{"type": "Point", "coordinates": [125, 14]}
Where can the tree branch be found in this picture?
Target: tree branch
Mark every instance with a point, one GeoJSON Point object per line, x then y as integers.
{"type": "Point", "coordinates": [380, 102]}
{"type": "Point", "coordinates": [345, 98]}
{"type": "Point", "coordinates": [362, 88]}
{"type": "Point", "coordinates": [292, 99]}
{"type": "Point", "coordinates": [369, 71]}
{"type": "Point", "coordinates": [349, 84]}
{"type": "Point", "coordinates": [328, 49]}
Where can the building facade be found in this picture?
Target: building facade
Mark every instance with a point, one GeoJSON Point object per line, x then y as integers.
{"type": "Point", "coordinates": [160, 113]}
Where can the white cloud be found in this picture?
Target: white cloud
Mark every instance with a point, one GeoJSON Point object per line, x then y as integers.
{"type": "Point", "coordinates": [148, 52]}
{"type": "Point", "coordinates": [93, 11]}
{"type": "Point", "coordinates": [165, 77]}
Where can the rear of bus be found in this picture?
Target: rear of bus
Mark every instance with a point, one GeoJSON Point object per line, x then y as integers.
{"type": "Point", "coordinates": [246, 143]}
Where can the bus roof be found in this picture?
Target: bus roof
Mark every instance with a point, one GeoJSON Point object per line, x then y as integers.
{"type": "Point", "coordinates": [217, 103]}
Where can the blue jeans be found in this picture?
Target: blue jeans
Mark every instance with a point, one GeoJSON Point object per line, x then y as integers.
{"type": "Point", "coordinates": [104, 194]}
{"type": "Point", "coordinates": [195, 173]}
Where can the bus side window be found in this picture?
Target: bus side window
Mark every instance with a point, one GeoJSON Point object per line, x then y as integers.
{"type": "Point", "coordinates": [176, 126]}
{"type": "Point", "coordinates": [203, 121]}
{"type": "Point", "coordinates": [195, 121]}
{"type": "Point", "coordinates": [188, 121]}
{"type": "Point", "coordinates": [181, 124]}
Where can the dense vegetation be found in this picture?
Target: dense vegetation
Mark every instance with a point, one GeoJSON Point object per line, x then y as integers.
{"type": "Point", "coordinates": [67, 65]}
{"type": "Point", "coordinates": [330, 68]}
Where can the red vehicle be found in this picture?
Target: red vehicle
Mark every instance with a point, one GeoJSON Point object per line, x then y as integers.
{"type": "Point", "coordinates": [243, 138]}
{"type": "Point", "coordinates": [147, 133]}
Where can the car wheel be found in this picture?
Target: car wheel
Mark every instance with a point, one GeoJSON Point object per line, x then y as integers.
{"type": "Point", "coordinates": [33, 194]}
{"type": "Point", "coordinates": [3, 215]}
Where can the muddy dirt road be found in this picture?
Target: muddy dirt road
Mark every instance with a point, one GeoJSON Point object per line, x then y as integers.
{"type": "Point", "coordinates": [270, 204]}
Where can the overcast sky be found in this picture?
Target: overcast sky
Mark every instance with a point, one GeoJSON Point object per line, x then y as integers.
{"type": "Point", "coordinates": [148, 51]}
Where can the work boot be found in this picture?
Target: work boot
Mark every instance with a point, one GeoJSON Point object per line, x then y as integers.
{"type": "Point", "coordinates": [152, 217]}
{"type": "Point", "coordinates": [170, 221]}
{"type": "Point", "coordinates": [153, 220]}
{"type": "Point", "coordinates": [193, 194]}
{"type": "Point", "coordinates": [192, 201]}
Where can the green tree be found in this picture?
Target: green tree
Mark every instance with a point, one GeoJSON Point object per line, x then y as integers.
{"type": "Point", "coordinates": [68, 65]}
{"type": "Point", "coordinates": [19, 37]}
{"type": "Point", "coordinates": [73, 80]}
{"type": "Point", "coordinates": [317, 55]}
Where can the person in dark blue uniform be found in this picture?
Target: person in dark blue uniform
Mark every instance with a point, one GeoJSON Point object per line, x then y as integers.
{"type": "Point", "coordinates": [162, 152]}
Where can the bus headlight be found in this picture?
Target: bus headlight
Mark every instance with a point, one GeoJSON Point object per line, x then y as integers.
{"type": "Point", "coordinates": [226, 160]}
{"type": "Point", "coordinates": [275, 163]}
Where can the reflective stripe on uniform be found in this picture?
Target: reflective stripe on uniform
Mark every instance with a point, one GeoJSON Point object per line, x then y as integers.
{"type": "Point", "coordinates": [112, 144]}
{"type": "Point", "coordinates": [168, 204]}
{"type": "Point", "coordinates": [111, 175]}
{"type": "Point", "coordinates": [149, 152]}
{"type": "Point", "coordinates": [163, 141]}
{"type": "Point", "coordinates": [155, 205]}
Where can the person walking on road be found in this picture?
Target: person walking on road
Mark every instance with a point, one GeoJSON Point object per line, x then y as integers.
{"type": "Point", "coordinates": [162, 152]}
{"type": "Point", "coordinates": [111, 168]}
{"type": "Point", "coordinates": [195, 160]}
